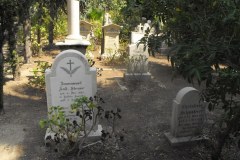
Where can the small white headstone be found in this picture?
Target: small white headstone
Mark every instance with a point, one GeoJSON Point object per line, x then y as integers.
{"type": "Point", "coordinates": [69, 78]}
{"type": "Point", "coordinates": [188, 117]}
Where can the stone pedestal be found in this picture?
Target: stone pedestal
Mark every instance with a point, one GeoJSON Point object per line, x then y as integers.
{"type": "Point", "coordinates": [79, 46]}
{"type": "Point", "coordinates": [74, 39]}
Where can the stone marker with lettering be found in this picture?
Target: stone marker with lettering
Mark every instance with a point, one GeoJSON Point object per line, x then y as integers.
{"type": "Point", "coordinates": [69, 78]}
{"type": "Point", "coordinates": [85, 29]}
{"type": "Point", "coordinates": [111, 40]}
{"type": "Point", "coordinates": [188, 117]}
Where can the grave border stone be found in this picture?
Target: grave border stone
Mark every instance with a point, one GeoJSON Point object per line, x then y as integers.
{"type": "Point", "coordinates": [173, 137]}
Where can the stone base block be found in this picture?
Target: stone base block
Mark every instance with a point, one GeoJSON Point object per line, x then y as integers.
{"type": "Point", "coordinates": [79, 45]}
{"type": "Point", "coordinates": [94, 135]}
{"type": "Point", "coordinates": [177, 141]}
{"type": "Point", "coordinates": [110, 55]}
{"type": "Point", "coordinates": [137, 76]}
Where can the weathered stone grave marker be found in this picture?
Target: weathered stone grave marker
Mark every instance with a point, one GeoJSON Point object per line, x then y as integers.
{"type": "Point", "coordinates": [137, 68]}
{"type": "Point", "coordinates": [69, 78]}
{"type": "Point", "coordinates": [85, 29]}
{"type": "Point", "coordinates": [188, 117]}
{"type": "Point", "coordinates": [138, 63]}
{"type": "Point", "coordinates": [111, 40]}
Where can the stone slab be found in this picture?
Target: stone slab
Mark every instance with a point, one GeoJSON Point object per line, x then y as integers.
{"type": "Point", "coordinates": [137, 76]}
{"type": "Point", "coordinates": [174, 141]}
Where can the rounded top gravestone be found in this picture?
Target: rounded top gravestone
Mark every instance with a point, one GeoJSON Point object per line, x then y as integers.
{"type": "Point", "coordinates": [69, 78]}
{"type": "Point", "coordinates": [188, 114]}
{"type": "Point", "coordinates": [186, 94]}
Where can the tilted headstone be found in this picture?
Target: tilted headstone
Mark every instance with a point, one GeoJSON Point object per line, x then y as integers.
{"type": "Point", "coordinates": [69, 78]}
{"type": "Point", "coordinates": [111, 40]}
{"type": "Point", "coordinates": [188, 117]}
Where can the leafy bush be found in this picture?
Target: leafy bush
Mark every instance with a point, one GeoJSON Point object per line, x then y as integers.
{"type": "Point", "coordinates": [203, 37]}
{"type": "Point", "coordinates": [38, 78]}
{"type": "Point", "coordinates": [71, 135]}
{"type": "Point", "coordinates": [95, 14]}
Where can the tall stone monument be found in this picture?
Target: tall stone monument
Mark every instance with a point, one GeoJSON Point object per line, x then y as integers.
{"type": "Point", "coordinates": [111, 40]}
{"type": "Point", "coordinates": [74, 40]}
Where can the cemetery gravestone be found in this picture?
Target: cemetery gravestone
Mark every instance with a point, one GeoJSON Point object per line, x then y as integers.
{"type": "Point", "coordinates": [138, 58]}
{"type": "Point", "coordinates": [85, 29]}
{"type": "Point", "coordinates": [136, 37]}
{"type": "Point", "coordinates": [111, 40]}
{"type": "Point", "coordinates": [138, 63]}
{"type": "Point", "coordinates": [69, 78]}
{"type": "Point", "coordinates": [188, 117]}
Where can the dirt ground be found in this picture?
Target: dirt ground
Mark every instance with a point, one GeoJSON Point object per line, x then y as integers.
{"type": "Point", "coordinates": [146, 113]}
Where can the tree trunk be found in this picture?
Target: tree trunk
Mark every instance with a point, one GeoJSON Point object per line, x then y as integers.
{"type": "Point", "coordinates": [39, 33]}
{"type": "Point", "coordinates": [1, 79]}
{"type": "Point", "coordinates": [14, 58]}
{"type": "Point", "coordinates": [51, 25]}
{"type": "Point", "coordinates": [27, 39]}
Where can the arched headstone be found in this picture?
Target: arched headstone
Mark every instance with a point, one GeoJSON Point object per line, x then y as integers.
{"type": "Point", "coordinates": [70, 77]}
{"type": "Point", "coordinates": [188, 117]}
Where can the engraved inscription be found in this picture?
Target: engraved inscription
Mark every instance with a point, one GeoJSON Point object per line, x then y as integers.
{"type": "Point", "coordinates": [190, 119]}
{"type": "Point", "coordinates": [69, 91]}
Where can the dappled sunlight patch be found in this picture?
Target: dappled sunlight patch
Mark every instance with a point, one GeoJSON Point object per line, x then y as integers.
{"type": "Point", "coordinates": [10, 152]}
{"type": "Point", "coordinates": [22, 91]}
{"type": "Point", "coordinates": [160, 60]}
{"type": "Point", "coordinates": [25, 96]}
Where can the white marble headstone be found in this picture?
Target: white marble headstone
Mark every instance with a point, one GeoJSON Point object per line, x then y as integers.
{"type": "Point", "coordinates": [69, 78]}
{"type": "Point", "coordinates": [188, 116]}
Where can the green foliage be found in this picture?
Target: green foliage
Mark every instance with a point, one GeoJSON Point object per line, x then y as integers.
{"type": "Point", "coordinates": [95, 14]}
{"type": "Point", "coordinates": [118, 57]}
{"type": "Point", "coordinates": [15, 61]}
{"type": "Point", "coordinates": [38, 78]}
{"type": "Point", "coordinates": [60, 25]}
{"type": "Point", "coordinates": [71, 133]}
{"type": "Point", "coordinates": [222, 92]}
{"type": "Point", "coordinates": [202, 35]}
{"type": "Point", "coordinates": [97, 33]}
